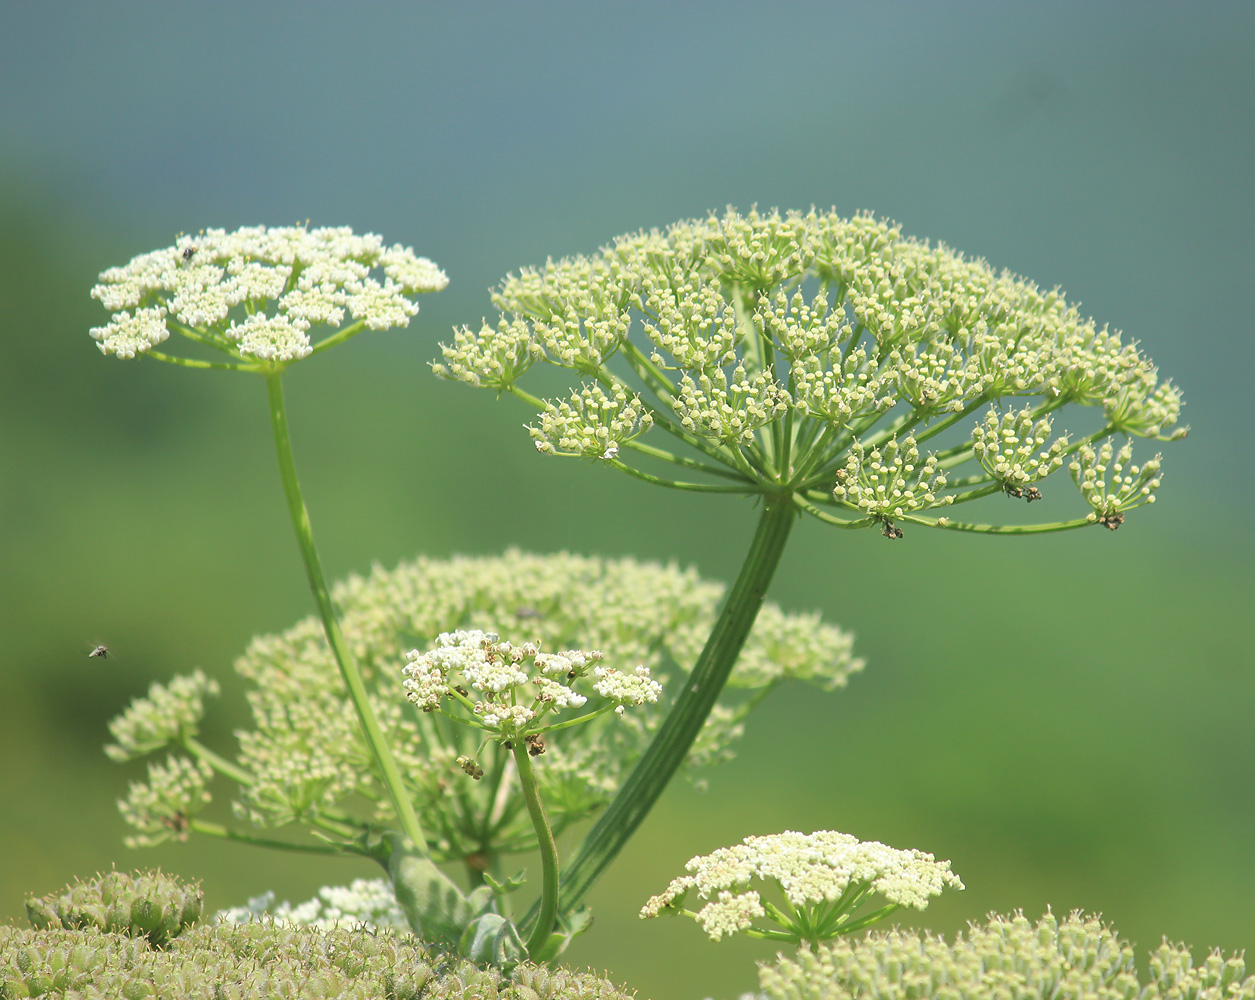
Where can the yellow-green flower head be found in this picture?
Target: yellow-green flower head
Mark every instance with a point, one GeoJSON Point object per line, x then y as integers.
{"type": "Point", "coordinates": [256, 293]}
{"type": "Point", "coordinates": [824, 876]}
{"type": "Point", "coordinates": [791, 354]}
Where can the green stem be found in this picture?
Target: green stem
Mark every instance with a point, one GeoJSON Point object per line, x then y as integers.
{"type": "Point", "coordinates": [196, 363]}
{"type": "Point", "coordinates": [548, 850]}
{"type": "Point", "coordinates": [217, 830]}
{"type": "Point", "coordinates": [335, 638]}
{"type": "Point", "coordinates": [339, 337]}
{"type": "Point", "coordinates": [687, 716]}
{"type": "Point", "coordinates": [218, 763]}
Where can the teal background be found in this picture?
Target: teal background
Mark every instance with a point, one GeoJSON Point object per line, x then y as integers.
{"type": "Point", "coordinates": [1070, 719]}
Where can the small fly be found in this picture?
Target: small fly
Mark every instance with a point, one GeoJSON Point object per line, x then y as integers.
{"type": "Point", "coordinates": [100, 651]}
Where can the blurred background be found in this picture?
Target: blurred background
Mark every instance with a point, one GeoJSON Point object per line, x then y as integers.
{"type": "Point", "coordinates": [1070, 719]}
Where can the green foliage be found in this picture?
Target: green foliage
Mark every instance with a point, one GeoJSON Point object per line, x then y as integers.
{"type": "Point", "coordinates": [153, 905]}
{"type": "Point", "coordinates": [263, 960]}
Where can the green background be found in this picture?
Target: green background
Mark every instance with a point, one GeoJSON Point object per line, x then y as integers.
{"type": "Point", "coordinates": [1070, 719]}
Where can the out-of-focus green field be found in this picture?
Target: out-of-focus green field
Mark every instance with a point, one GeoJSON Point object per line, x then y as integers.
{"type": "Point", "coordinates": [1070, 719]}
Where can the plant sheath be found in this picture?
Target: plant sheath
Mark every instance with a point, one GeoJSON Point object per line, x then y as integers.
{"type": "Point", "coordinates": [548, 851]}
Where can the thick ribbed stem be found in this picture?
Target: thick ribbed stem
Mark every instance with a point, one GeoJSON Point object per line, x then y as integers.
{"type": "Point", "coordinates": [671, 744]}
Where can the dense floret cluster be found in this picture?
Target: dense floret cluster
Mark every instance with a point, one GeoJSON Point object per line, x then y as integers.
{"type": "Point", "coordinates": [813, 356]}
{"type": "Point", "coordinates": [255, 293]}
{"type": "Point", "coordinates": [1011, 958]}
{"type": "Point", "coordinates": [305, 759]}
{"type": "Point", "coordinates": [823, 877]}
{"type": "Point", "coordinates": [264, 960]}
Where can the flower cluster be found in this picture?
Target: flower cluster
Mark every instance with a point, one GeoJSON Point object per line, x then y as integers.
{"type": "Point", "coordinates": [1017, 452]}
{"type": "Point", "coordinates": [591, 424]}
{"type": "Point", "coordinates": [162, 808]}
{"type": "Point", "coordinates": [794, 353]}
{"type": "Point", "coordinates": [1112, 488]}
{"type": "Point", "coordinates": [518, 688]}
{"type": "Point", "coordinates": [304, 759]}
{"type": "Point", "coordinates": [267, 959]}
{"type": "Point", "coordinates": [362, 903]}
{"type": "Point", "coordinates": [169, 714]}
{"type": "Point", "coordinates": [1078, 957]}
{"type": "Point", "coordinates": [255, 293]}
{"type": "Point", "coordinates": [823, 876]}
{"type": "Point", "coordinates": [889, 482]}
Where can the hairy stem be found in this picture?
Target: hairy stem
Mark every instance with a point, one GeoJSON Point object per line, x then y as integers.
{"type": "Point", "coordinates": [671, 743]}
{"type": "Point", "coordinates": [548, 851]}
{"type": "Point", "coordinates": [335, 638]}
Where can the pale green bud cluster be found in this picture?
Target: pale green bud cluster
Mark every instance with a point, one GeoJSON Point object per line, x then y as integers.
{"type": "Point", "coordinates": [1008, 958]}
{"type": "Point", "coordinates": [1016, 451]}
{"type": "Point", "coordinates": [304, 759]}
{"type": "Point", "coordinates": [1111, 484]}
{"type": "Point", "coordinates": [170, 713]}
{"type": "Point", "coordinates": [151, 905]}
{"type": "Point", "coordinates": [789, 351]}
{"type": "Point", "coordinates": [824, 877]}
{"type": "Point", "coordinates": [889, 481]}
{"type": "Point", "coordinates": [591, 423]}
{"type": "Point", "coordinates": [161, 808]}
{"type": "Point", "coordinates": [264, 960]}
{"type": "Point", "coordinates": [255, 293]}
{"type": "Point", "coordinates": [362, 903]}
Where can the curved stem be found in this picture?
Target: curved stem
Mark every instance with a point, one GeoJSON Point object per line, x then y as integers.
{"type": "Point", "coordinates": [335, 638]}
{"type": "Point", "coordinates": [548, 850]}
{"type": "Point", "coordinates": [217, 762]}
{"type": "Point", "coordinates": [676, 484]}
{"type": "Point", "coordinates": [196, 363]}
{"type": "Point", "coordinates": [224, 833]}
{"type": "Point", "coordinates": [339, 337]}
{"type": "Point", "coordinates": [687, 716]}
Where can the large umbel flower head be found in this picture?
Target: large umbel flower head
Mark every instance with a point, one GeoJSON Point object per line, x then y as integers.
{"type": "Point", "coordinates": [833, 361]}
{"type": "Point", "coordinates": [256, 293]}
{"type": "Point", "coordinates": [819, 881]}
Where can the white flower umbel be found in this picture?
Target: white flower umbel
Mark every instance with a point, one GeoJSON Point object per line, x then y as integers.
{"type": "Point", "coordinates": [1078, 958]}
{"type": "Point", "coordinates": [821, 879]}
{"type": "Point", "coordinates": [1113, 487]}
{"type": "Point", "coordinates": [363, 903]}
{"type": "Point", "coordinates": [254, 294]}
{"type": "Point", "coordinates": [518, 689]}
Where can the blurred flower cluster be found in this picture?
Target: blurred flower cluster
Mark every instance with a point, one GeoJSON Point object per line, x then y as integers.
{"type": "Point", "coordinates": [304, 760]}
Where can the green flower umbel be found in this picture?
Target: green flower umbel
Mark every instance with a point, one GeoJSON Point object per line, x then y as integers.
{"type": "Point", "coordinates": [814, 356]}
